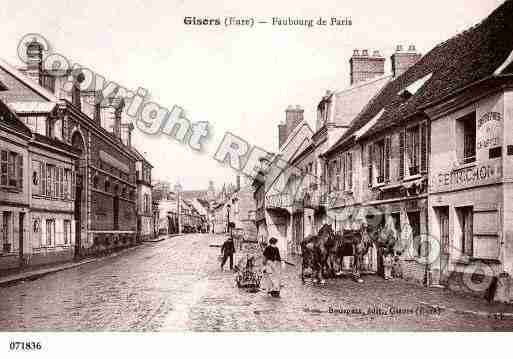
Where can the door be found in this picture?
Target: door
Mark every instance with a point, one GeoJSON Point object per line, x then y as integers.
{"type": "Point", "coordinates": [443, 218]}
{"type": "Point", "coordinates": [116, 213]}
{"type": "Point", "coordinates": [78, 215]}
{"type": "Point", "coordinates": [21, 237]}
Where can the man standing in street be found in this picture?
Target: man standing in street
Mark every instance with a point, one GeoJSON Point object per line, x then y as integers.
{"type": "Point", "coordinates": [227, 251]}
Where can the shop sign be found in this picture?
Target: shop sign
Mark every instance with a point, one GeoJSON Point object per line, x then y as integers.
{"type": "Point", "coordinates": [459, 178]}
{"type": "Point", "coordinates": [489, 130]}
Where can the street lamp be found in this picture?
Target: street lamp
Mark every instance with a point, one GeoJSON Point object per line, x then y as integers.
{"type": "Point", "coordinates": [228, 208]}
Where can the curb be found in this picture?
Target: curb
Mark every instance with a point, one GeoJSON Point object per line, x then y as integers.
{"type": "Point", "coordinates": [29, 276]}
{"type": "Point", "coordinates": [471, 312]}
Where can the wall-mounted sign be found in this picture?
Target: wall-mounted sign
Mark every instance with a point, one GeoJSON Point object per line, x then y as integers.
{"type": "Point", "coordinates": [105, 157]}
{"type": "Point", "coordinates": [459, 178]}
{"type": "Point", "coordinates": [489, 129]}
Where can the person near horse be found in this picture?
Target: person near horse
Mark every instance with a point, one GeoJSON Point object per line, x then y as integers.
{"type": "Point", "coordinates": [388, 263]}
{"type": "Point", "coordinates": [271, 280]}
{"type": "Point", "coordinates": [227, 251]}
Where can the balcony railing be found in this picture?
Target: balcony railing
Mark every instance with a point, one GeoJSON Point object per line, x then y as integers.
{"type": "Point", "coordinates": [281, 200]}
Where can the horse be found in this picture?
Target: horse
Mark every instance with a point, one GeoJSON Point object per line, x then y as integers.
{"type": "Point", "coordinates": [350, 243]}
{"type": "Point", "coordinates": [315, 250]}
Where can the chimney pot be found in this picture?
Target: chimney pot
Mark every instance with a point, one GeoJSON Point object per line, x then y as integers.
{"type": "Point", "coordinates": [298, 107]}
{"type": "Point", "coordinates": [356, 52]}
{"type": "Point", "coordinates": [399, 48]}
{"type": "Point", "coordinates": [376, 53]}
{"type": "Point", "coordinates": [365, 53]}
{"type": "Point", "coordinates": [412, 48]}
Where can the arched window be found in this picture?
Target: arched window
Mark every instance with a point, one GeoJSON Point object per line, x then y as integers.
{"type": "Point", "coordinates": [95, 181]}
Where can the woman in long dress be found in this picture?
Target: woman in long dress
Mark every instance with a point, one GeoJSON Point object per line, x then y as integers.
{"type": "Point", "coordinates": [271, 280]}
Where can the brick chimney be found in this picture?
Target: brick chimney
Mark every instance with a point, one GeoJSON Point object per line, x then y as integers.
{"type": "Point", "coordinates": [126, 134]}
{"type": "Point", "coordinates": [35, 61]}
{"type": "Point", "coordinates": [282, 134]}
{"type": "Point", "coordinates": [402, 60]}
{"type": "Point", "coordinates": [293, 116]}
{"type": "Point", "coordinates": [365, 67]}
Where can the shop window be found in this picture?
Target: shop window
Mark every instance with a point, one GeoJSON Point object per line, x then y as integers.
{"type": "Point", "coordinates": [414, 220]}
{"type": "Point", "coordinates": [466, 129]}
{"type": "Point", "coordinates": [466, 220]}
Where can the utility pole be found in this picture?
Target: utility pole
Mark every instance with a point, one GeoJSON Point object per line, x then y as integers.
{"type": "Point", "coordinates": [178, 190]}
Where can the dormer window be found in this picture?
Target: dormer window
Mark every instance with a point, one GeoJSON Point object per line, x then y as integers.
{"type": "Point", "coordinates": [414, 87]}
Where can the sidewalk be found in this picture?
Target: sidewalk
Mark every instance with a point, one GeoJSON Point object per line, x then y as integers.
{"type": "Point", "coordinates": [32, 274]}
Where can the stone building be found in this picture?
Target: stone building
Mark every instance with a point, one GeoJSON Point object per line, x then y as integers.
{"type": "Point", "coordinates": [105, 174]}
{"type": "Point", "coordinates": [145, 216]}
{"type": "Point", "coordinates": [36, 192]}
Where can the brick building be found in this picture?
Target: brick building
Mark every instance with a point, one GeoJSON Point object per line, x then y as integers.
{"type": "Point", "coordinates": [105, 185]}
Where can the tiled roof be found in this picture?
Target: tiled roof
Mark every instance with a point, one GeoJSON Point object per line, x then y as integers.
{"type": "Point", "coordinates": [56, 143]}
{"type": "Point", "coordinates": [8, 118]}
{"type": "Point", "coordinates": [471, 56]}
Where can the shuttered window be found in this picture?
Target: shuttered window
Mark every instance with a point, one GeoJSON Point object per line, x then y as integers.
{"type": "Point", "coordinates": [387, 158]}
{"type": "Point", "coordinates": [466, 217]}
{"type": "Point", "coordinates": [370, 157]}
{"type": "Point", "coordinates": [424, 148]}
{"type": "Point", "coordinates": [402, 150]}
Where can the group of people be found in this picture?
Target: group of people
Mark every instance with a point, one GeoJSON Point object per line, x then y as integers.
{"type": "Point", "coordinates": [271, 272]}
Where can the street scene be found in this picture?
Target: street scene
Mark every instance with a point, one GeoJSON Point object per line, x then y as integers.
{"type": "Point", "coordinates": [177, 285]}
{"type": "Point", "coordinates": [268, 183]}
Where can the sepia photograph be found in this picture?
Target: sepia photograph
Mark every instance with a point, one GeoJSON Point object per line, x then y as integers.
{"type": "Point", "coordinates": [279, 169]}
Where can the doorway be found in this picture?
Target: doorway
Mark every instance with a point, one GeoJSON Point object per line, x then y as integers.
{"type": "Point", "coordinates": [21, 237]}
{"type": "Point", "coordinates": [443, 222]}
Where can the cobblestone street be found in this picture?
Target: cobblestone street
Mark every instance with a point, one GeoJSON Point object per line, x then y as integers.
{"type": "Point", "coordinates": [177, 285]}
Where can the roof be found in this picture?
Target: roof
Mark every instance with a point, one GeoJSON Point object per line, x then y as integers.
{"type": "Point", "coordinates": [481, 52]}
{"type": "Point", "coordinates": [138, 154]}
{"type": "Point", "coordinates": [20, 88]}
{"type": "Point", "coordinates": [9, 119]}
{"type": "Point", "coordinates": [33, 107]}
{"type": "Point", "coordinates": [56, 143]}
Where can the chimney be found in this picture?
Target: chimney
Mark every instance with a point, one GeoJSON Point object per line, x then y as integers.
{"type": "Point", "coordinates": [238, 182]}
{"type": "Point", "coordinates": [35, 61]}
{"type": "Point", "coordinates": [126, 134]}
{"type": "Point", "coordinates": [90, 104]}
{"type": "Point", "coordinates": [364, 67]}
{"type": "Point", "coordinates": [403, 60]}
{"type": "Point", "coordinates": [282, 134]}
{"type": "Point", "coordinates": [293, 117]}
{"type": "Point", "coordinates": [111, 110]}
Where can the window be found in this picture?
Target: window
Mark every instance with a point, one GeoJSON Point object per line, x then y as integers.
{"type": "Point", "coordinates": [413, 150]}
{"type": "Point", "coordinates": [11, 169]}
{"type": "Point", "coordinates": [50, 232]}
{"type": "Point", "coordinates": [147, 203]}
{"type": "Point", "coordinates": [67, 231]}
{"type": "Point", "coordinates": [107, 185]}
{"type": "Point", "coordinates": [6, 232]}
{"type": "Point", "coordinates": [338, 170]}
{"type": "Point", "coordinates": [36, 124]}
{"type": "Point", "coordinates": [379, 148]}
{"type": "Point", "coordinates": [414, 221]}
{"type": "Point", "coordinates": [466, 219]}
{"type": "Point", "coordinates": [348, 171]}
{"type": "Point", "coordinates": [466, 127]}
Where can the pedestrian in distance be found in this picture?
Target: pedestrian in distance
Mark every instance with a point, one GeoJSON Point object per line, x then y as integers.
{"type": "Point", "coordinates": [271, 280]}
{"type": "Point", "coordinates": [227, 251]}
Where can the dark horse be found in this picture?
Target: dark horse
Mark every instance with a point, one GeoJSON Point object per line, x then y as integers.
{"type": "Point", "coordinates": [322, 252]}
{"type": "Point", "coordinates": [315, 250]}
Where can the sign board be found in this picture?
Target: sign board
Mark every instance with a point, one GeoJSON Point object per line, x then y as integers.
{"type": "Point", "coordinates": [466, 177]}
{"type": "Point", "coordinates": [489, 131]}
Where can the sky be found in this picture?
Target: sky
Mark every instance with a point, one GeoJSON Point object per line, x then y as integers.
{"type": "Point", "coordinates": [239, 79]}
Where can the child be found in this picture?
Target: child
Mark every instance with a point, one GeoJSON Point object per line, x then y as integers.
{"type": "Point", "coordinates": [388, 263]}
{"type": "Point", "coordinates": [397, 270]}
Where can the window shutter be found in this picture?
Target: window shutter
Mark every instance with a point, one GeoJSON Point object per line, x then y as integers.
{"type": "Point", "coordinates": [43, 179]}
{"type": "Point", "coordinates": [387, 158]}
{"type": "Point", "coordinates": [423, 148]}
{"type": "Point", "coordinates": [369, 164]}
{"type": "Point", "coordinates": [20, 172]}
{"type": "Point", "coordinates": [350, 171]}
{"type": "Point", "coordinates": [402, 151]}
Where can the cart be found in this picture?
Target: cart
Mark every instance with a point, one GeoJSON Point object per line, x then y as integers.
{"type": "Point", "coordinates": [248, 276]}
